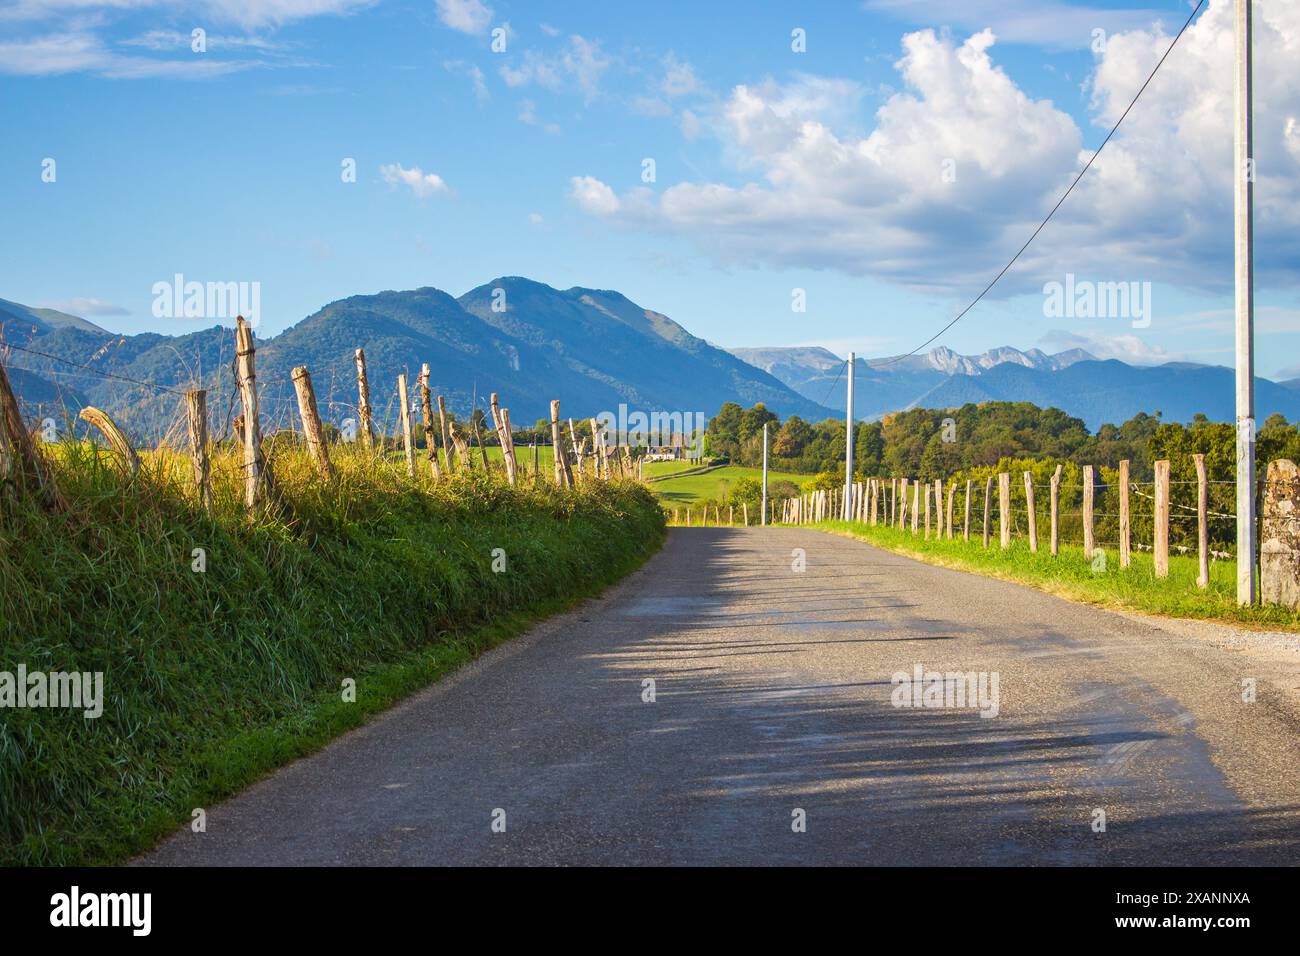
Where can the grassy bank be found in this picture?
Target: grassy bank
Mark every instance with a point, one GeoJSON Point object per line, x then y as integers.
{"type": "Point", "coordinates": [1070, 575]}
{"type": "Point", "coordinates": [213, 677]}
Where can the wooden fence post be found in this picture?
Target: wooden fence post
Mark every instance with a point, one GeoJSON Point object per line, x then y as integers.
{"type": "Point", "coordinates": [117, 440]}
{"type": "Point", "coordinates": [965, 523]}
{"type": "Point", "coordinates": [256, 472]}
{"type": "Point", "coordinates": [952, 495]}
{"type": "Point", "coordinates": [1033, 515]}
{"type": "Point", "coordinates": [1162, 519]}
{"type": "Point", "coordinates": [446, 434]}
{"type": "Point", "coordinates": [363, 402]}
{"type": "Point", "coordinates": [1202, 523]}
{"type": "Point", "coordinates": [311, 427]}
{"type": "Point", "coordinates": [508, 450]}
{"type": "Point", "coordinates": [563, 474]}
{"type": "Point", "coordinates": [19, 460]}
{"type": "Point", "coordinates": [1055, 544]}
{"type": "Point", "coordinates": [939, 509]}
{"type": "Point", "coordinates": [426, 419]}
{"type": "Point", "coordinates": [1004, 509]}
{"type": "Point", "coordinates": [196, 418]}
{"type": "Point", "coordinates": [988, 499]}
{"type": "Point", "coordinates": [902, 505]}
{"type": "Point", "coordinates": [1089, 489]}
{"type": "Point", "coordinates": [406, 424]}
{"type": "Point", "coordinates": [927, 510]}
{"type": "Point", "coordinates": [1125, 527]}
{"type": "Point", "coordinates": [916, 503]}
{"type": "Point", "coordinates": [478, 440]}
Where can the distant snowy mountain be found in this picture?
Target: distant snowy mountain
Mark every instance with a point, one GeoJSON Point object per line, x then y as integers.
{"type": "Point", "coordinates": [1074, 381]}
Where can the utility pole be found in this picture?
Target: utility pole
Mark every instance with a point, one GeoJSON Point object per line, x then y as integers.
{"type": "Point", "coordinates": [1243, 236]}
{"type": "Point", "coordinates": [763, 511]}
{"type": "Point", "coordinates": [848, 451]}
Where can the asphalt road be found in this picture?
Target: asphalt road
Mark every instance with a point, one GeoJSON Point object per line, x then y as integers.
{"type": "Point", "coordinates": [772, 695]}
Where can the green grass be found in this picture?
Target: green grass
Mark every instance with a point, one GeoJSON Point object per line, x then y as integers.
{"type": "Point", "coordinates": [1072, 576]}
{"type": "Point", "coordinates": [713, 486]}
{"type": "Point", "coordinates": [212, 679]}
{"type": "Point", "coordinates": [654, 469]}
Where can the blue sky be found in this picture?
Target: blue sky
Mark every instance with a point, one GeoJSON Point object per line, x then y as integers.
{"type": "Point", "coordinates": [775, 170]}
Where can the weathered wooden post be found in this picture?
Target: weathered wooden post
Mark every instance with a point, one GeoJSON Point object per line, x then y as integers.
{"type": "Point", "coordinates": [916, 503]}
{"type": "Point", "coordinates": [952, 494]}
{"type": "Point", "coordinates": [744, 512]}
{"type": "Point", "coordinates": [196, 420]}
{"type": "Point", "coordinates": [446, 434]}
{"type": "Point", "coordinates": [363, 402]}
{"type": "Point", "coordinates": [1055, 544]}
{"type": "Point", "coordinates": [478, 440]}
{"type": "Point", "coordinates": [1004, 509]}
{"type": "Point", "coordinates": [1088, 491]}
{"type": "Point", "coordinates": [256, 471]}
{"type": "Point", "coordinates": [1279, 563]}
{"type": "Point", "coordinates": [508, 449]}
{"type": "Point", "coordinates": [117, 440]}
{"type": "Point", "coordinates": [311, 427]}
{"type": "Point", "coordinates": [1162, 519]}
{"type": "Point", "coordinates": [563, 475]}
{"type": "Point", "coordinates": [939, 507]}
{"type": "Point", "coordinates": [1202, 524]}
{"type": "Point", "coordinates": [19, 460]}
{"type": "Point", "coordinates": [426, 420]}
{"type": "Point", "coordinates": [988, 499]}
{"type": "Point", "coordinates": [902, 506]}
{"type": "Point", "coordinates": [406, 424]}
{"type": "Point", "coordinates": [1125, 526]}
{"type": "Point", "coordinates": [965, 522]}
{"type": "Point", "coordinates": [1033, 515]}
{"type": "Point", "coordinates": [927, 510]}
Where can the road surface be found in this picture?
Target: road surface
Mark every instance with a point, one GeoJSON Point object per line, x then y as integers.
{"type": "Point", "coordinates": [773, 735]}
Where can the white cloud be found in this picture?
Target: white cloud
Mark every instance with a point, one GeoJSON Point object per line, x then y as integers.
{"type": "Point", "coordinates": [1127, 348]}
{"type": "Point", "coordinates": [84, 307]}
{"type": "Point", "coordinates": [679, 78]}
{"type": "Point", "coordinates": [812, 189]}
{"type": "Point", "coordinates": [579, 66]}
{"type": "Point", "coordinates": [467, 16]}
{"type": "Point", "coordinates": [536, 218]}
{"type": "Point", "coordinates": [593, 196]}
{"type": "Point", "coordinates": [475, 75]}
{"type": "Point", "coordinates": [79, 52]}
{"type": "Point", "coordinates": [417, 180]}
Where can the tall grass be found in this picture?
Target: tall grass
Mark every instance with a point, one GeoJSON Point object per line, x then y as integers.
{"type": "Point", "coordinates": [212, 678]}
{"type": "Point", "coordinates": [1099, 581]}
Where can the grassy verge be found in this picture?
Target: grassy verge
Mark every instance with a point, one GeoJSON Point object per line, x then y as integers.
{"type": "Point", "coordinates": [1071, 575]}
{"type": "Point", "coordinates": [211, 678]}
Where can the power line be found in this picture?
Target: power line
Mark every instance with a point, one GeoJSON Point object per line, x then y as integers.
{"type": "Point", "coordinates": [1059, 202]}
{"type": "Point", "coordinates": [843, 366]}
{"type": "Point", "coordinates": [92, 370]}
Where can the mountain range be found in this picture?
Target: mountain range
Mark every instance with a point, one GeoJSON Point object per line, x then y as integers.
{"type": "Point", "coordinates": [1097, 391]}
{"type": "Point", "coordinates": [592, 349]}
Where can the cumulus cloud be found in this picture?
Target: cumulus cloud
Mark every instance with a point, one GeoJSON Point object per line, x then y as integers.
{"type": "Point", "coordinates": [417, 180]}
{"type": "Point", "coordinates": [957, 168]}
{"type": "Point", "coordinates": [467, 16]}
{"type": "Point", "coordinates": [593, 196]}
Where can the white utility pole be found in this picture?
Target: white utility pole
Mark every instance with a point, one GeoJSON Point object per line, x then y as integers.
{"type": "Point", "coordinates": [1243, 236]}
{"type": "Point", "coordinates": [763, 510]}
{"type": "Point", "coordinates": [848, 451]}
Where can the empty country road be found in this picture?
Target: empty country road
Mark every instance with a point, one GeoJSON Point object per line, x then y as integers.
{"type": "Point", "coordinates": [772, 705]}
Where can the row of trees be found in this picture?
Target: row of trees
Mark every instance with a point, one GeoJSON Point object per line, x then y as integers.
{"type": "Point", "coordinates": [929, 443]}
